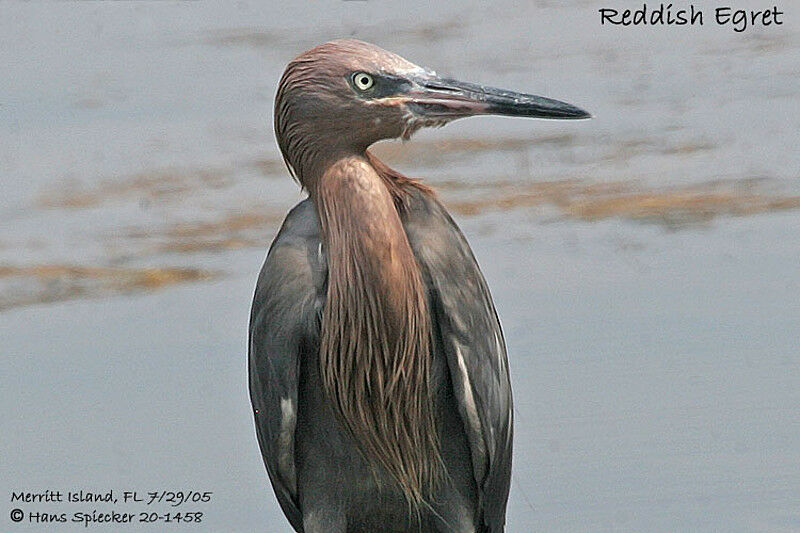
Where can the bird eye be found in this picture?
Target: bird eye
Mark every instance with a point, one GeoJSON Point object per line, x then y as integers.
{"type": "Point", "coordinates": [363, 81]}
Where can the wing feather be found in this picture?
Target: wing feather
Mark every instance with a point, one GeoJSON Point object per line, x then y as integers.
{"type": "Point", "coordinates": [473, 343]}
{"type": "Point", "coordinates": [281, 319]}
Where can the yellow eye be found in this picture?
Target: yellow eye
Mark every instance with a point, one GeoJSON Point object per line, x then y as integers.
{"type": "Point", "coordinates": [363, 81]}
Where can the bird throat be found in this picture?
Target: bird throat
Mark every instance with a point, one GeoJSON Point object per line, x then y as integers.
{"type": "Point", "coordinates": [375, 342]}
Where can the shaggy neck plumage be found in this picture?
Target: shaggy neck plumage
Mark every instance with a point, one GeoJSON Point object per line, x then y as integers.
{"type": "Point", "coordinates": [375, 352]}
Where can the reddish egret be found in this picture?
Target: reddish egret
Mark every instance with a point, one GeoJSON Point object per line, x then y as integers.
{"type": "Point", "coordinates": [378, 370]}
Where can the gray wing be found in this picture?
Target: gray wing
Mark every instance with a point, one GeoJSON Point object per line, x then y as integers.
{"type": "Point", "coordinates": [473, 343]}
{"type": "Point", "coordinates": [282, 323]}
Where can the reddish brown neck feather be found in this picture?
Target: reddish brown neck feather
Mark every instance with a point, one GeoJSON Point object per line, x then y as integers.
{"type": "Point", "coordinates": [375, 345]}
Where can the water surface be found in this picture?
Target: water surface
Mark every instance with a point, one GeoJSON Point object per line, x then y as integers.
{"type": "Point", "coordinates": [644, 264]}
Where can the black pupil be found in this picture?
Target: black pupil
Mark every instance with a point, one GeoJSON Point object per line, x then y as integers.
{"type": "Point", "coordinates": [364, 80]}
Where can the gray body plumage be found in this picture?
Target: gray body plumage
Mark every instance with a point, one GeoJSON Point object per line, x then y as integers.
{"type": "Point", "coordinates": [322, 481]}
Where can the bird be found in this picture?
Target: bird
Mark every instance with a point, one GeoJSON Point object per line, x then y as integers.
{"type": "Point", "coordinates": [378, 372]}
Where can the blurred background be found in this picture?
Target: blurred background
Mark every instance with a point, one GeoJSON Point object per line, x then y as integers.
{"type": "Point", "coordinates": [644, 264]}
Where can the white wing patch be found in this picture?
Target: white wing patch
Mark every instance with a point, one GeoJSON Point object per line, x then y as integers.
{"type": "Point", "coordinates": [472, 418]}
{"type": "Point", "coordinates": [286, 443]}
{"type": "Point", "coordinates": [472, 410]}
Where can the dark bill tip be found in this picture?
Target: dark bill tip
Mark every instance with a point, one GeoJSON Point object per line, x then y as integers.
{"type": "Point", "coordinates": [452, 98]}
{"type": "Point", "coordinates": [525, 105]}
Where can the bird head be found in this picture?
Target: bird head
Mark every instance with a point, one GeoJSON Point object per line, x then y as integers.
{"type": "Point", "coordinates": [344, 95]}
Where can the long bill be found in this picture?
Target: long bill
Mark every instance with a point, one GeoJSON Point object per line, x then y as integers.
{"type": "Point", "coordinates": [441, 98]}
